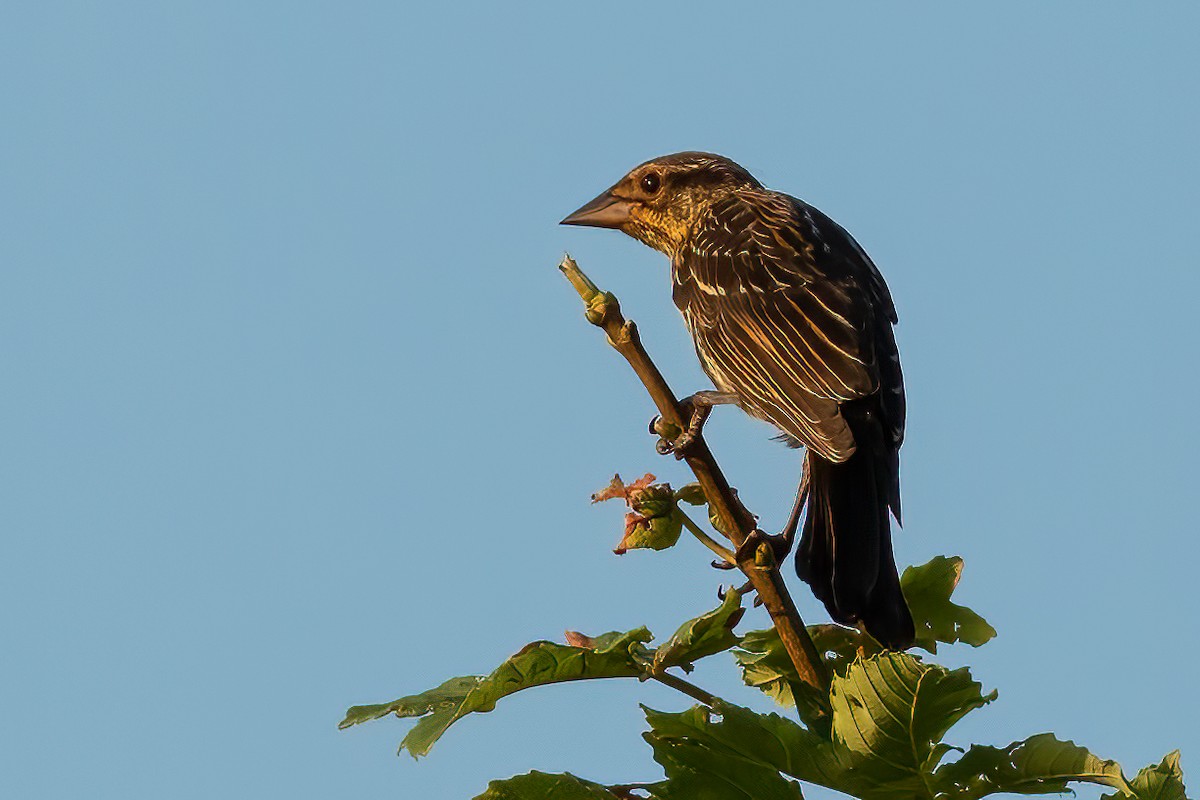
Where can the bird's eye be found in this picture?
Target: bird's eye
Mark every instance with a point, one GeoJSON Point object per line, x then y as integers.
{"type": "Point", "coordinates": [651, 182]}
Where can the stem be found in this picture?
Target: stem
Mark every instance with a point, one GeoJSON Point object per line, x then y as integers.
{"type": "Point", "coordinates": [733, 519]}
{"type": "Point", "coordinates": [712, 544]}
{"type": "Point", "coordinates": [687, 687]}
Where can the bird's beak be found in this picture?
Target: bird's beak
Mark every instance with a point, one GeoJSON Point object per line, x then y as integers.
{"type": "Point", "coordinates": [606, 211]}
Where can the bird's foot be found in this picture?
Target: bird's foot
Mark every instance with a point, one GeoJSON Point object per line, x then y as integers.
{"type": "Point", "coordinates": [695, 410]}
{"type": "Point", "coordinates": [780, 544]}
{"type": "Point", "coordinates": [681, 446]}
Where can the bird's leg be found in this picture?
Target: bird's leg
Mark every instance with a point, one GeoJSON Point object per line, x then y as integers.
{"type": "Point", "coordinates": [781, 543]}
{"type": "Point", "coordinates": [695, 410]}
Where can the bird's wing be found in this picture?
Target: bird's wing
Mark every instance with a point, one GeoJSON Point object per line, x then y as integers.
{"type": "Point", "coordinates": [788, 311]}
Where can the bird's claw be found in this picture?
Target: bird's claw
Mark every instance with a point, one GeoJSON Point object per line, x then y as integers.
{"type": "Point", "coordinates": [678, 444]}
{"type": "Point", "coordinates": [681, 446]}
{"type": "Point", "coordinates": [780, 546]}
{"type": "Point", "coordinates": [693, 410]}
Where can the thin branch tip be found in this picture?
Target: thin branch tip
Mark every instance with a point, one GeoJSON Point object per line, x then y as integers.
{"type": "Point", "coordinates": [584, 286]}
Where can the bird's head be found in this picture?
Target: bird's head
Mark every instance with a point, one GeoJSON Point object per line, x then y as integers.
{"type": "Point", "coordinates": [659, 202]}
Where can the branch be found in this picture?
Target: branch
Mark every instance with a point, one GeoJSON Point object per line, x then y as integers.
{"type": "Point", "coordinates": [687, 687]}
{"type": "Point", "coordinates": [724, 553]}
{"type": "Point", "coordinates": [736, 522]}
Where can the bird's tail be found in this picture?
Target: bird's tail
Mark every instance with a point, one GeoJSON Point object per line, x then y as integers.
{"type": "Point", "coordinates": [845, 552]}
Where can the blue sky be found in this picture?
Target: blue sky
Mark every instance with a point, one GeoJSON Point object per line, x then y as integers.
{"type": "Point", "coordinates": [298, 412]}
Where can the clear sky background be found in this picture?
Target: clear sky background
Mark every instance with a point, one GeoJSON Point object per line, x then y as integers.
{"type": "Point", "coordinates": [297, 412]}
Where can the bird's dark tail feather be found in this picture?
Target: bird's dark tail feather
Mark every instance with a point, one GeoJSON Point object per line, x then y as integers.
{"type": "Point", "coordinates": [845, 552]}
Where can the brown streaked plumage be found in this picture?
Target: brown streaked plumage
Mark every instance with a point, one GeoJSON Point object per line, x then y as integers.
{"type": "Point", "coordinates": [789, 314]}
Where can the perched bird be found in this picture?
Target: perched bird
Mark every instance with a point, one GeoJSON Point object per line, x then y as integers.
{"type": "Point", "coordinates": [793, 323]}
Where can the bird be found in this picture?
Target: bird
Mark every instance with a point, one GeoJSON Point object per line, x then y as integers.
{"type": "Point", "coordinates": [793, 323]}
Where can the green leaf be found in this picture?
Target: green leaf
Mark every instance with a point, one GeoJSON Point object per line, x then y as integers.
{"type": "Point", "coordinates": [839, 646]}
{"type": "Point", "coordinates": [694, 773]}
{"type": "Point", "coordinates": [654, 522]}
{"type": "Point", "coordinates": [774, 743]}
{"type": "Point", "coordinates": [706, 768]}
{"type": "Point", "coordinates": [650, 533]}
{"type": "Point", "coordinates": [927, 589]}
{"type": "Point", "coordinates": [692, 494]}
{"type": "Point", "coordinates": [890, 712]}
{"type": "Point", "coordinates": [766, 666]}
{"type": "Point", "coordinates": [434, 700]}
{"type": "Point", "coordinates": [438, 707]}
{"type": "Point", "coordinates": [615, 654]}
{"type": "Point", "coordinates": [1041, 764]}
{"type": "Point", "coordinates": [1161, 782]}
{"type": "Point", "coordinates": [542, 785]}
{"type": "Point", "coordinates": [537, 664]}
{"type": "Point", "coordinates": [703, 636]}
